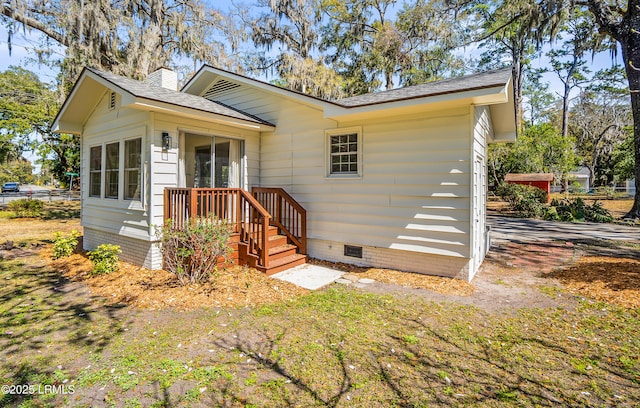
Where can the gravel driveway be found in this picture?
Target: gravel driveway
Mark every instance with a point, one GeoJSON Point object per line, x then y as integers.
{"type": "Point", "coordinates": [528, 230]}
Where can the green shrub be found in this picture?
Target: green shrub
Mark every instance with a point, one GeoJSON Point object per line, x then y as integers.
{"type": "Point", "coordinates": [63, 246]}
{"type": "Point", "coordinates": [105, 259]}
{"type": "Point", "coordinates": [576, 210]}
{"type": "Point", "coordinates": [26, 207]}
{"type": "Point", "coordinates": [597, 213]}
{"type": "Point", "coordinates": [605, 191]}
{"type": "Point", "coordinates": [527, 201]}
{"type": "Point", "coordinates": [551, 214]}
{"type": "Point", "coordinates": [192, 252]}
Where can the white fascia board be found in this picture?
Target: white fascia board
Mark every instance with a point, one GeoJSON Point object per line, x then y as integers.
{"type": "Point", "coordinates": [485, 96]}
{"type": "Point", "coordinates": [503, 117]}
{"type": "Point", "coordinates": [60, 126]}
{"type": "Point", "coordinates": [149, 105]}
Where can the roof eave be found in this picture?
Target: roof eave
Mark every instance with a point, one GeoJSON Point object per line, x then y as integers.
{"type": "Point", "coordinates": [63, 124]}
{"type": "Point", "coordinates": [483, 96]}
{"type": "Point", "coordinates": [157, 106]}
{"type": "Point", "coordinates": [503, 116]}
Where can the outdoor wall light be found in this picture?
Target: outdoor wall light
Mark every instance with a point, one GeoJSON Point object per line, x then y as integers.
{"type": "Point", "coordinates": [166, 141]}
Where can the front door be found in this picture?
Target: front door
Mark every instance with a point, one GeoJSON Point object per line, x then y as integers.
{"type": "Point", "coordinates": [212, 162]}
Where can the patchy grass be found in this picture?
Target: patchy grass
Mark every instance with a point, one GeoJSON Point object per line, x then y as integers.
{"type": "Point", "coordinates": [337, 347]}
{"type": "Point", "coordinates": [58, 216]}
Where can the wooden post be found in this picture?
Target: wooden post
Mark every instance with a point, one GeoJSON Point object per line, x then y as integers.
{"type": "Point", "coordinates": [265, 245]}
{"type": "Point", "coordinates": [193, 203]}
{"type": "Point", "coordinates": [239, 217]}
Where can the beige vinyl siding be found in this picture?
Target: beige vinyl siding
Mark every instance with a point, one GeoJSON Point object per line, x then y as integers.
{"type": "Point", "coordinates": [482, 132]}
{"type": "Point", "coordinates": [414, 191]}
{"type": "Point", "coordinates": [125, 217]}
{"type": "Point", "coordinates": [419, 164]}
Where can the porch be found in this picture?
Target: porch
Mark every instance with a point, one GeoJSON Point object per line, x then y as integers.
{"type": "Point", "coordinates": [269, 227]}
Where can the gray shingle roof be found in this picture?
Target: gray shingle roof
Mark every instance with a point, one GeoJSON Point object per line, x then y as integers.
{"type": "Point", "coordinates": [461, 84]}
{"type": "Point", "coordinates": [159, 94]}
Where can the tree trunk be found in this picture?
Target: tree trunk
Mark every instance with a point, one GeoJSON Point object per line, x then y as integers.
{"type": "Point", "coordinates": [631, 55]}
{"type": "Point", "coordinates": [517, 91]}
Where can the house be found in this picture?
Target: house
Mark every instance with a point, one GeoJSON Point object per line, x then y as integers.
{"type": "Point", "coordinates": [579, 179]}
{"type": "Point", "coordinates": [540, 180]}
{"type": "Point", "coordinates": [394, 179]}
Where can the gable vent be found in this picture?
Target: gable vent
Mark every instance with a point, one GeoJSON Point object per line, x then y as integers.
{"type": "Point", "coordinates": [112, 101]}
{"type": "Point", "coordinates": [218, 88]}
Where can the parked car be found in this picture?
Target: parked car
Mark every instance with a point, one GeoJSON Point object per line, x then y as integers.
{"type": "Point", "coordinates": [11, 187]}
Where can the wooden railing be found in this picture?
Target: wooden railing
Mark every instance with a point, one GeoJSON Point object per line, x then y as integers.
{"type": "Point", "coordinates": [238, 207]}
{"type": "Point", "coordinates": [286, 214]}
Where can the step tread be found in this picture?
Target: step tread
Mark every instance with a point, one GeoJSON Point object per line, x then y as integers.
{"type": "Point", "coordinates": [285, 260]}
{"type": "Point", "coordinates": [281, 248]}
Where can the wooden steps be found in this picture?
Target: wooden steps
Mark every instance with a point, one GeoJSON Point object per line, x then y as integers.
{"type": "Point", "coordinates": [282, 254]}
{"type": "Point", "coordinates": [270, 225]}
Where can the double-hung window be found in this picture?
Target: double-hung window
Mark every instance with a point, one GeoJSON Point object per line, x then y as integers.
{"type": "Point", "coordinates": [112, 170]}
{"type": "Point", "coordinates": [344, 152]}
{"type": "Point", "coordinates": [95, 171]}
{"type": "Point", "coordinates": [132, 168]}
{"type": "Point", "coordinates": [122, 165]}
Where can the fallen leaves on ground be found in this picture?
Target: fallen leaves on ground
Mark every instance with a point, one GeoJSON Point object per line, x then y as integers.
{"type": "Point", "coordinates": [236, 286]}
{"type": "Point", "coordinates": [608, 279]}
{"type": "Point", "coordinates": [446, 286]}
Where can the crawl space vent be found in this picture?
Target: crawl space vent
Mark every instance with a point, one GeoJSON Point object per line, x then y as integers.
{"type": "Point", "coordinates": [353, 251]}
{"type": "Point", "coordinates": [219, 88]}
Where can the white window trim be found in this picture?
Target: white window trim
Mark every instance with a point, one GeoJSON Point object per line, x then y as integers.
{"type": "Point", "coordinates": [123, 150]}
{"type": "Point", "coordinates": [120, 201]}
{"type": "Point", "coordinates": [327, 156]}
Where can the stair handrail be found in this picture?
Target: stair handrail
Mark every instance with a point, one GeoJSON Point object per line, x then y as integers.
{"type": "Point", "coordinates": [251, 220]}
{"type": "Point", "coordinates": [249, 225]}
{"type": "Point", "coordinates": [296, 232]}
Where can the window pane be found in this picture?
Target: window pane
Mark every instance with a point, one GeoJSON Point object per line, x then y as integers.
{"type": "Point", "coordinates": [112, 184]}
{"type": "Point", "coordinates": [113, 156]}
{"type": "Point", "coordinates": [94, 184]}
{"type": "Point", "coordinates": [353, 138]}
{"type": "Point", "coordinates": [96, 158]}
{"type": "Point", "coordinates": [132, 185]}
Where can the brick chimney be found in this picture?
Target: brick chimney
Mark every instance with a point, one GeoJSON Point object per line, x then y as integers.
{"type": "Point", "coordinates": [165, 78]}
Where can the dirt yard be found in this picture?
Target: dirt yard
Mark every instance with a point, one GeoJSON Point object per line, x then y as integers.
{"type": "Point", "coordinates": [543, 324]}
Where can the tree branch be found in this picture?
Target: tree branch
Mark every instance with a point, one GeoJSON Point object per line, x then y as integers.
{"type": "Point", "coordinates": [604, 16]}
{"type": "Point", "coordinates": [35, 24]}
